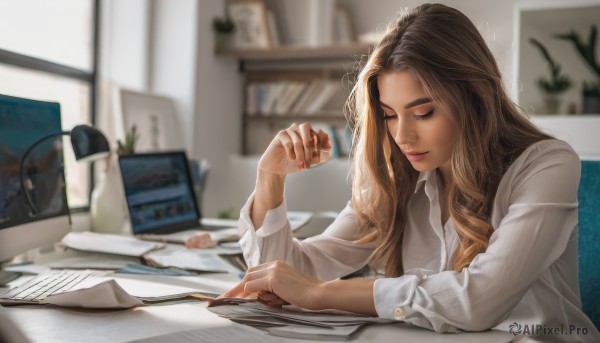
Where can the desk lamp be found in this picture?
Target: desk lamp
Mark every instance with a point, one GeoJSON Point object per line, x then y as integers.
{"type": "Point", "coordinates": [89, 144]}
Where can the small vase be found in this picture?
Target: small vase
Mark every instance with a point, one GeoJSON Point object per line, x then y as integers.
{"type": "Point", "coordinates": [591, 104]}
{"type": "Point", "coordinates": [552, 104]}
{"type": "Point", "coordinates": [108, 210]}
{"type": "Point", "coordinates": [223, 41]}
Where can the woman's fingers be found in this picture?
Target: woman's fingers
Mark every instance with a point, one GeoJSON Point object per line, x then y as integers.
{"type": "Point", "coordinates": [292, 132]}
{"type": "Point", "coordinates": [306, 133]}
{"type": "Point", "coordinates": [266, 295]}
{"type": "Point", "coordinates": [323, 140]}
{"type": "Point", "coordinates": [235, 292]}
{"type": "Point", "coordinates": [271, 299]}
{"type": "Point", "coordinates": [288, 145]}
{"type": "Point", "coordinates": [239, 291]}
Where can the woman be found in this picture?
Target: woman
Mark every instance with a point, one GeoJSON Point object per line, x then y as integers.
{"type": "Point", "coordinates": [470, 210]}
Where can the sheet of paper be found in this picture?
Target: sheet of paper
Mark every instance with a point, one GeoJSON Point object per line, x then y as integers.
{"type": "Point", "coordinates": [219, 222]}
{"type": "Point", "coordinates": [192, 259]}
{"type": "Point", "coordinates": [105, 243]}
{"type": "Point", "coordinates": [230, 234]}
{"type": "Point", "coordinates": [75, 259]}
{"type": "Point", "coordinates": [28, 268]}
{"type": "Point", "coordinates": [298, 219]}
{"type": "Point", "coordinates": [230, 333]}
{"type": "Point", "coordinates": [107, 294]}
{"type": "Point", "coordinates": [154, 291]}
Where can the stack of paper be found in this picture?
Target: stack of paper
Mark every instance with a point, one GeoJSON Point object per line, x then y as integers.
{"type": "Point", "coordinates": [292, 321]}
{"type": "Point", "coordinates": [110, 244]}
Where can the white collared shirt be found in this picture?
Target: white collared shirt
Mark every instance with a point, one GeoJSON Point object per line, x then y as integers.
{"type": "Point", "coordinates": [528, 274]}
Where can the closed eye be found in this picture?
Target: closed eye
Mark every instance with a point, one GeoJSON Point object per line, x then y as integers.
{"type": "Point", "coordinates": [424, 116]}
{"type": "Point", "coordinates": [389, 116]}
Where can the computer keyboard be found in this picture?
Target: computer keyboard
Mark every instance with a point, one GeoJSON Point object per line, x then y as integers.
{"type": "Point", "coordinates": [47, 284]}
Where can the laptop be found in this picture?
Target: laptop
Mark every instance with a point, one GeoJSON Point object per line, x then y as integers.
{"type": "Point", "coordinates": [161, 199]}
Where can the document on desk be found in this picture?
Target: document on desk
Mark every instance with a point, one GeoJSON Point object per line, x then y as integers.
{"type": "Point", "coordinates": [292, 321]}
{"type": "Point", "coordinates": [110, 244]}
{"type": "Point", "coordinates": [298, 219]}
{"type": "Point", "coordinates": [191, 259]}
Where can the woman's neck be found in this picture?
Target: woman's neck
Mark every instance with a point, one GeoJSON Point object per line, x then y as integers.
{"type": "Point", "coordinates": [445, 171]}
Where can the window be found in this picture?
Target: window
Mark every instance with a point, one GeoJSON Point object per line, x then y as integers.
{"type": "Point", "coordinates": [47, 52]}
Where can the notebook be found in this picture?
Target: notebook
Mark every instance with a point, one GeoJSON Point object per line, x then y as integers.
{"type": "Point", "coordinates": [160, 198]}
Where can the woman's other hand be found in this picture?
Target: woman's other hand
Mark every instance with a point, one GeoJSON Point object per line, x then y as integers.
{"type": "Point", "coordinates": [298, 143]}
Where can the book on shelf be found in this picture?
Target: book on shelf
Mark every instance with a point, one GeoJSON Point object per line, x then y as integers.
{"type": "Point", "coordinates": [273, 92]}
{"type": "Point", "coordinates": [310, 93]}
{"type": "Point", "coordinates": [294, 97]}
{"type": "Point", "coordinates": [289, 97]}
{"type": "Point", "coordinates": [326, 90]}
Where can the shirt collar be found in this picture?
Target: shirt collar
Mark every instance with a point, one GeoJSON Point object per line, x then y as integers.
{"type": "Point", "coordinates": [421, 180]}
{"type": "Point", "coordinates": [429, 179]}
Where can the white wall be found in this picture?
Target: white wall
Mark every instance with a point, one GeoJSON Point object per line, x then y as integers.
{"type": "Point", "coordinates": [494, 19]}
{"type": "Point", "coordinates": [217, 124]}
{"type": "Point", "coordinates": [542, 21]}
{"type": "Point", "coordinates": [173, 54]}
{"type": "Point", "coordinates": [124, 58]}
{"type": "Point", "coordinates": [167, 47]}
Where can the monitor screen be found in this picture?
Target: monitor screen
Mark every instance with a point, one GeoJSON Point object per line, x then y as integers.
{"type": "Point", "coordinates": [22, 123]}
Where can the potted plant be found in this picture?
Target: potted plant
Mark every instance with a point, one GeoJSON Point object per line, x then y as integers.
{"type": "Point", "coordinates": [587, 51]}
{"type": "Point", "coordinates": [555, 85]}
{"type": "Point", "coordinates": [131, 138]}
{"type": "Point", "coordinates": [223, 28]}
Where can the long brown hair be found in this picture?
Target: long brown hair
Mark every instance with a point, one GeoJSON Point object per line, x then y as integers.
{"type": "Point", "coordinates": [450, 58]}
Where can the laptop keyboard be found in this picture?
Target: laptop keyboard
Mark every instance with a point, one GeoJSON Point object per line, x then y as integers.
{"type": "Point", "coordinates": [47, 284]}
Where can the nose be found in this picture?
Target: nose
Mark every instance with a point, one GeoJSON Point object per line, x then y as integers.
{"type": "Point", "coordinates": [402, 131]}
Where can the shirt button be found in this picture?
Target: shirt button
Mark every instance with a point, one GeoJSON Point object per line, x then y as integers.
{"type": "Point", "coordinates": [399, 313]}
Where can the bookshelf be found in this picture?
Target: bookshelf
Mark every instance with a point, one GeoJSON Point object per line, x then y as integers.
{"type": "Point", "coordinates": [290, 84]}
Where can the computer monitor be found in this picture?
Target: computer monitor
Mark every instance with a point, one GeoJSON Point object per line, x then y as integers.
{"type": "Point", "coordinates": [22, 123]}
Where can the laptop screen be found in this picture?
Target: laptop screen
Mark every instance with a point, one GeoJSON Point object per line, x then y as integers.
{"type": "Point", "coordinates": [159, 192]}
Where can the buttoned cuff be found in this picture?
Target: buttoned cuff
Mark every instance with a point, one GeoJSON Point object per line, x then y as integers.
{"type": "Point", "coordinates": [393, 296]}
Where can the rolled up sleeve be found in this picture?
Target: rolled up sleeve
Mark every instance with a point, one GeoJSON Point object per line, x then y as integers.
{"type": "Point", "coordinates": [532, 235]}
{"type": "Point", "coordinates": [327, 256]}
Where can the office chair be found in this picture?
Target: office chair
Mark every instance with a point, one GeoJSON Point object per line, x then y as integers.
{"type": "Point", "coordinates": [589, 239]}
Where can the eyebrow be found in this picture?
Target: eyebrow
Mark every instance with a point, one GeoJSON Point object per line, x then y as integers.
{"type": "Point", "coordinates": [411, 104]}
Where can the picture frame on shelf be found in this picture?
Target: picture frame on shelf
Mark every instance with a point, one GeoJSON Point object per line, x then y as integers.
{"type": "Point", "coordinates": [251, 24]}
{"type": "Point", "coordinates": [154, 117]}
{"type": "Point", "coordinates": [343, 31]}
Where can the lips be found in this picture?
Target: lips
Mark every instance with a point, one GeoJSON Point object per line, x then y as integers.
{"type": "Point", "coordinates": [414, 156]}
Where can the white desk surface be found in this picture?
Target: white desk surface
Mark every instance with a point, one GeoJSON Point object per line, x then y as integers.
{"type": "Point", "coordinates": [54, 324]}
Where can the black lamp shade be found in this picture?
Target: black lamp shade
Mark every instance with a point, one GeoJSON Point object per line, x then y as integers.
{"type": "Point", "coordinates": [88, 143]}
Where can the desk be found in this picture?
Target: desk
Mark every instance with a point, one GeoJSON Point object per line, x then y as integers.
{"type": "Point", "coordinates": [53, 324]}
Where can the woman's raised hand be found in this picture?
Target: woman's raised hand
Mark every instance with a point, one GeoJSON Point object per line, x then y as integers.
{"type": "Point", "coordinates": [295, 148]}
